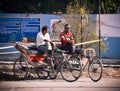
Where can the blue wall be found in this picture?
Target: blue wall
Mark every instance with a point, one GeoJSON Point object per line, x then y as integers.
{"type": "Point", "coordinates": [10, 33]}
{"type": "Point", "coordinates": [113, 48]}
{"type": "Point", "coordinates": [13, 27]}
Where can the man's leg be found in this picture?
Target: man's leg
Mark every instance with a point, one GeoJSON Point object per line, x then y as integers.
{"type": "Point", "coordinates": [68, 47]}
{"type": "Point", "coordinates": [42, 49]}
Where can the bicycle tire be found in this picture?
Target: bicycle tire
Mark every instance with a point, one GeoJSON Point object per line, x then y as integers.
{"type": "Point", "coordinates": [53, 68]}
{"type": "Point", "coordinates": [95, 69]}
{"type": "Point", "coordinates": [56, 60]}
{"type": "Point", "coordinates": [71, 70]}
{"type": "Point", "coordinates": [42, 73]}
{"type": "Point", "coordinates": [20, 69]}
{"type": "Point", "coordinates": [53, 74]}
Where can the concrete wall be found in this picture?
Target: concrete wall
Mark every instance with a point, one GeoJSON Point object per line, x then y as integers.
{"type": "Point", "coordinates": [110, 27]}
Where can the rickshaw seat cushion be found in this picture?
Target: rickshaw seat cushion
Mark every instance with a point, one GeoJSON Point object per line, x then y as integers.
{"type": "Point", "coordinates": [33, 51]}
{"type": "Point", "coordinates": [32, 47]}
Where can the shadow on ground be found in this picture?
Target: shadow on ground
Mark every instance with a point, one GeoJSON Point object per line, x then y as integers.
{"type": "Point", "coordinates": [108, 72]}
{"type": "Point", "coordinates": [9, 77]}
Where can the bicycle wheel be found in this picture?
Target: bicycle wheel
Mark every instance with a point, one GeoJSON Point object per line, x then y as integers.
{"type": "Point", "coordinates": [42, 73]}
{"type": "Point", "coordinates": [58, 60]}
{"type": "Point", "coordinates": [20, 68]}
{"type": "Point", "coordinates": [95, 69]}
{"type": "Point", "coordinates": [71, 70]}
{"type": "Point", "coordinates": [53, 74]}
{"type": "Point", "coordinates": [54, 65]}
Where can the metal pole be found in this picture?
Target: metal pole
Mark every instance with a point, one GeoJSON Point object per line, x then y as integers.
{"type": "Point", "coordinates": [99, 28]}
{"type": "Point", "coordinates": [81, 31]}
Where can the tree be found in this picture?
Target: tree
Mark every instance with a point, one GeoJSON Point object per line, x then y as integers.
{"type": "Point", "coordinates": [33, 6]}
{"type": "Point", "coordinates": [49, 6]}
{"type": "Point", "coordinates": [110, 6]}
{"type": "Point", "coordinates": [82, 25]}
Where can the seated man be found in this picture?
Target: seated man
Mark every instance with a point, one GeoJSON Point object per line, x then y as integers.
{"type": "Point", "coordinates": [67, 39]}
{"type": "Point", "coordinates": [43, 41]}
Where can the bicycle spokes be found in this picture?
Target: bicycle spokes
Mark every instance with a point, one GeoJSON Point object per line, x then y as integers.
{"type": "Point", "coordinates": [95, 70]}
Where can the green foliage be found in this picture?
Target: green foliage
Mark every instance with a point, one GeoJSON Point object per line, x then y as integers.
{"type": "Point", "coordinates": [109, 6]}
{"type": "Point", "coordinates": [83, 27]}
{"type": "Point", "coordinates": [49, 6]}
{"type": "Point", "coordinates": [33, 6]}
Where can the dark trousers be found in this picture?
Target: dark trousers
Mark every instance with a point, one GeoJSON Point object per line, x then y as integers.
{"type": "Point", "coordinates": [43, 48]}
{"type": "Point", "coordinates": [67, 47]}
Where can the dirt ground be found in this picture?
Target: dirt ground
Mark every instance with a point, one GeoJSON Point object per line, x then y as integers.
{"type": "Point", "coordinates": [6, 73]}
{"type": "Point", "coordinates": [111, 72]}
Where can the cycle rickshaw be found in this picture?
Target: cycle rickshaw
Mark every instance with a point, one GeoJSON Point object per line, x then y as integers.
{"type": "Point", "coordinates": [30, 59]}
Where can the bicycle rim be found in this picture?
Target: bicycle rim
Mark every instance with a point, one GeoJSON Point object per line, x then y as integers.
{"type": "Point", "coordinates": [20, 69]}
{"type": "Point", "coordinates": [53, 74]}
{"type": "Point", "coordinates": [71, 70]}
{"type": "Point", "coordinates": [95, 69]}
{"type": "Point", "coordinates": [42, 73]}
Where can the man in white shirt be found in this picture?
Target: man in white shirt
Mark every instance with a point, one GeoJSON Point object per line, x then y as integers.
{"type": "Point", "coordinates": [43, 41]}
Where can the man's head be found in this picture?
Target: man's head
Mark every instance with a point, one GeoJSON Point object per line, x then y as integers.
{"type": "Point", "coordinates": [67, 27]}
{"type": "Point", "coordinates": [44, 29]}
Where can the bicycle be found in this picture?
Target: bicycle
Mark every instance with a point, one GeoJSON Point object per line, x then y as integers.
{"type": "Point", "coordinates": [31, 60]}
{"type": "Point", "coordinates": [73, 67]}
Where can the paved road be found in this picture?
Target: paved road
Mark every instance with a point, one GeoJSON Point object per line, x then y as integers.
{"type": "Point", "coordinates": [84, 83]}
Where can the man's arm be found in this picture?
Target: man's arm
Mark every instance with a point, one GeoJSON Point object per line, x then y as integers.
{"type": "Point", "coordinates": [72, 39]}
{"type": "Point", "coordinates": [64, 39]}
{"type": "Point", "coordinates": [49, 40]}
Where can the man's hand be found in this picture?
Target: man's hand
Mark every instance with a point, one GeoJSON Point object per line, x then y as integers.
{"type": "Point", "coordinates": [46, 40]}
{"type": "Point", "coordinates": [53, 45]}
{"type": "Point", "coordinates": [71, 41]}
